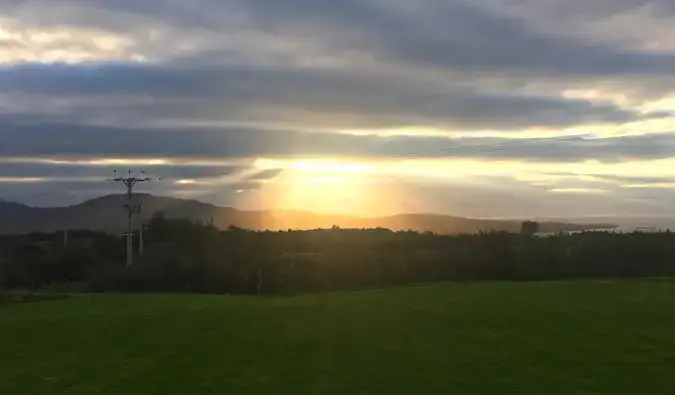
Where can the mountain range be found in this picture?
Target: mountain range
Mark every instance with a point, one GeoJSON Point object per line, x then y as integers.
{"type": "Point", "coordinates": [107, 213]}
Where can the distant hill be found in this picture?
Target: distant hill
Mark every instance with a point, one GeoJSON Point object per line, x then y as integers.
{"type": "Point", "coordinates": [10, 209]}
{"type": "Point", "coordinates": [107, 214]}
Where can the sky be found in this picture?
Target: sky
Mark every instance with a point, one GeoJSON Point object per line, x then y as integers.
{"type": "Point", "coordinates": [479, 108]}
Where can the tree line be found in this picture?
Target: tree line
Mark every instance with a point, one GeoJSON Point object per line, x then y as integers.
{"type": "Point", "coordinates": [183, 256]}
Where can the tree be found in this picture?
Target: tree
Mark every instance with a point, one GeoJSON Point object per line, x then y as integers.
{"type": "Point", "coordinates": [529, 228]}
{"type": "Point", "coordinates": [184, 256]}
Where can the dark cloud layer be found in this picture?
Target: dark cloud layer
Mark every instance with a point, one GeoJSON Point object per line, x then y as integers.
{"type": "Point", "coordinates": [72, 140]}
{"type": "Point", "coordinates": [314, 97]}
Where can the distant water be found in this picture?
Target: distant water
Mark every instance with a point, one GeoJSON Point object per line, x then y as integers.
{"type": "Point", "coordinates": [641, 228]}
{"type": "Point", "coordinates": [625, 228]}
{"type": "Point", "coordinates": [625, 224]}
{"type": "Point", "coordinates": [644, 225]}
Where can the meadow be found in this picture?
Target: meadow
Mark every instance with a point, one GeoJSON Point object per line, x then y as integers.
{"type": "Point", "coordinates": [577, 337]}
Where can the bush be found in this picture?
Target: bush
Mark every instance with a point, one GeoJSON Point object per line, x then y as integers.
{"type": "Point", "coordinates": [186, 257]}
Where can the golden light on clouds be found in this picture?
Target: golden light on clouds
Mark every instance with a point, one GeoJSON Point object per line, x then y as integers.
{"type": "Point", "coordinates": [370, 187]}
{"type": "Point", "coordinates": [582, 191]}
{"type": "Point", "coordinates": [328, 167]}
{"type": "Point", "coordinates": [659, 185]}
{"type": "Point", "coordinates": [186, 182]}
{"type": "Point", "coordinates": [325, 180]}
{"type": "Point", "coordinates": [21, 180]}
{"type": "Point", "coordinates": [63, 45]}
{"type": "Point", "coordinates": [454, 169]}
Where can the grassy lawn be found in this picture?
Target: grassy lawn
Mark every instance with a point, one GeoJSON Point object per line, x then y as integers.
{"type": "Point", "coordinates": [547, 338]}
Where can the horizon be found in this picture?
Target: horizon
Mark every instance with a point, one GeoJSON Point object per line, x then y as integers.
{"type": "Point", "coordinates": [579, 219]}
{"type": "Point", "coordinates": [477, 109]}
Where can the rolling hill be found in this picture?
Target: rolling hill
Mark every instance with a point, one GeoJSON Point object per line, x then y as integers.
{"type": "Point", "coordinates": [9, 209]}
{"type": "Point", "coordinates": [107, 214]}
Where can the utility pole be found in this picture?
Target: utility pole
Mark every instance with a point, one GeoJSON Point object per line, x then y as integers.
{"type": "Point", "coordinates": [139, 210]}
{"type": "Point", "coordinates": [129, 182]}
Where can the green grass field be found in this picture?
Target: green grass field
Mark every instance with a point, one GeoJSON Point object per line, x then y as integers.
{"type": "Point", "coordinates": [546, 338]}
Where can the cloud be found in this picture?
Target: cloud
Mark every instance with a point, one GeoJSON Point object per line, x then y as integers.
{"type": "Point", "coordinates": [192, 144]}
{"type": "Point", "coordinates": [66, 169]}
{"type": "Point", "coordinates": [575, 191]}
{"type": "Point", "coordinates": [462, 35]}
{"type": "Point", "coordinates": [265, 175]}
{"type": "Point", "coordinates": [463, 41]}
{"type": "Point", "coordinates": [309, 98]}
{"type": "Point", "coordinates": [201, 90]}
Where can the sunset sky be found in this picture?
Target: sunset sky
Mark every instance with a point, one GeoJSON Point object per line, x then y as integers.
{"type": "Point", "coordinates": [481, 108]}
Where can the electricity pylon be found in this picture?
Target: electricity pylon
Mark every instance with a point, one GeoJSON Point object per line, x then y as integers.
{"type": "Point", "coordinates": [129, 182]}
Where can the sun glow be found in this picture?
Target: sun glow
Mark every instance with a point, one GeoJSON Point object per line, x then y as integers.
{"type": "Point", "coordinates": [326, 186]}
